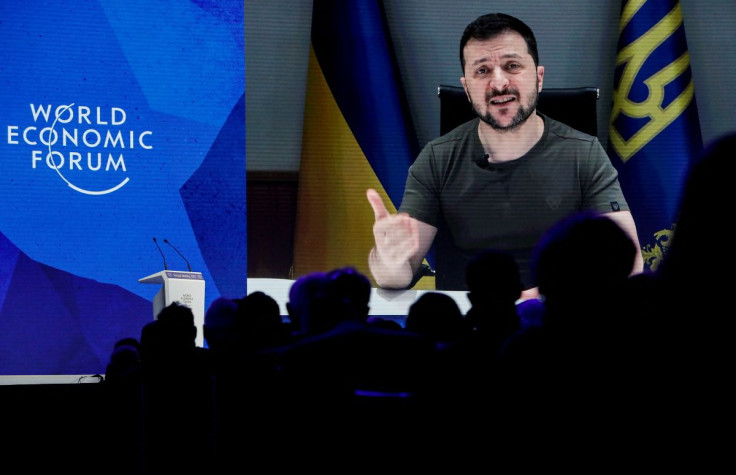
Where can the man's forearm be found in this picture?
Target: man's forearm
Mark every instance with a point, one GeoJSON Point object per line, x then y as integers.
{"type": "Point", "coordinates": [626, 221]}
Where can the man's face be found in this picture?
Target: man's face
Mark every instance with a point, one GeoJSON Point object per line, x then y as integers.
{"type": "Point", "coordinates": [501, 81]}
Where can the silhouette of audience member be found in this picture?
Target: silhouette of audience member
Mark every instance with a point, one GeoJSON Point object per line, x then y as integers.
{"type": "Point", "coordinates": [700, 329]}
{"type": "Point", "coordinates": [494, 286]}
{"type": "Point", "coordinates": [121, 409]}
{"type": "Point", "coordinates": [338, 347]}
{"type": "Point", "coordinates": [492, 278]}
{"type": "Point", "coordinates": [178, 408]}
{"type": "Point", "coordinates": [338, 297]}
{"type": "Point", "coordinates": [241, 326]}
{"type": "Point", "coordinates": [127, 341]}
{"type": "Point", "coordinates": [220, 326]}
{"type": "Point", "coordinates": [345, 375]}
{"type": "Point", "coordinates": [236, 331]}
{"type": "Point", "coordinates": [125, 362]}
{"type": "Point", "coordinates": [168, 345]}
{"type": "Point", "coordinates": [260, 324]}
{"type": "Point", "coordinates": [352, 287]}
{"type": "Point", "coordinates": [319, 301]}
{"type": "Point", "coordinates": [438, 317]}
{"type": "Point", "coordinates": [696, 264]}
{"type": "Point", "coordinates": [220, 330]}
{"type": "Point", "coordinates": [583, 262]}
{"type": "Point", "coordinates": [304, 296]}
{"type": "Point", "coordinates": [582, 265]}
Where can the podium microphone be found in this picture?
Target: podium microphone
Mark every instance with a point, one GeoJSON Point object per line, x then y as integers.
{"type": "Point", "coordinates": [177, 251]}
{"type": "Point", "coordinates": [162, 253]}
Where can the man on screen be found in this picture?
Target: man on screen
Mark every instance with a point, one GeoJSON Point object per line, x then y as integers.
{"type": "Point", "coordinates": [498, 181]}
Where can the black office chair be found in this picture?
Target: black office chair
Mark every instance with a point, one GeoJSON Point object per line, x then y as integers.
{"type": "Point", "coordinates": [575, 106]}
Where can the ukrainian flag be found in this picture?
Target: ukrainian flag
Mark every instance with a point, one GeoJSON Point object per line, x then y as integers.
{"type": "Point", "coordinates": [655, 131]}
{"type": "Point", "coordinates": [357, 135]}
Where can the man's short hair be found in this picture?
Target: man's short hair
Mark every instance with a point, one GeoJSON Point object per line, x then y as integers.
{"type": "Point", "coordinates": [493, 24]}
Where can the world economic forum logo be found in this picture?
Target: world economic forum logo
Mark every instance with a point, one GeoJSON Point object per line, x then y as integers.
{"type": "Point", "coordinates": [83, 145]}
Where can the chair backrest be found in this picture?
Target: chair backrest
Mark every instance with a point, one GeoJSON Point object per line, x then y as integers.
{"type": "Point", "coordinates": [575, 106]}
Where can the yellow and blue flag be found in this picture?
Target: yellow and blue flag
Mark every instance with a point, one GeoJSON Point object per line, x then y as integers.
{"type": "Point", "coordinates": [655, 131]}
{"type": "Point", "coordinates": [357, 135]}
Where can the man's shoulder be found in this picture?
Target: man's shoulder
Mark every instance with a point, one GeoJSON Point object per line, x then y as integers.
{"type": "Point", "coordinates": [460, 141]}
{"type": "Point", "coordinates": [562, 131]}
{"type": "Point", "coordinates": [462, 132]}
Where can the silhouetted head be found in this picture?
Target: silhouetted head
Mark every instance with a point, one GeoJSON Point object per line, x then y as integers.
{"type": "Point", "coordinates": [259, 320]}
{"type": "Point", "coordinates": [124, 361]}
{"type": "Point", "coordinates": [175, 329]}
{"type": "Point", "coordinates": [437, 316]}
{"type": "Point", "coordinates": [220, 323]}
{"type": "Point", "coordinates": [127, 341]}
{"type": "Point", "coordinates": [302, 293]}
{"type": "Point", "coordinates": [348, 284]}
{"type": "Point", "coordinates": [493, 276]}
{"type": "Point", "coordinates": [585, 255]}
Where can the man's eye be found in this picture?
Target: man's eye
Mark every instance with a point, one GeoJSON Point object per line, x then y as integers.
{"type": "Point", "coordinates": [481, 71]}
{"type": "Point", "coordinates": [513, 66]}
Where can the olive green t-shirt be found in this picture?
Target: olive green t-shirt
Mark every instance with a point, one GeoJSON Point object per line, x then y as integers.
{"type": "Point", "coordinates": [506, 206]}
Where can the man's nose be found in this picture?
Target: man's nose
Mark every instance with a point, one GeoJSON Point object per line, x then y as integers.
{"type": "Point", "coordinates": [498, 80]}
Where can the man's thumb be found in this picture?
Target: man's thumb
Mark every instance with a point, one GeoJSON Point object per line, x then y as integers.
{"type": "Point", "coordinates": [379, 209]}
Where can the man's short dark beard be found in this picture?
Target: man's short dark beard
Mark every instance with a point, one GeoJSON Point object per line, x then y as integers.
{"type": "Point", "coordinates": [521, 116]}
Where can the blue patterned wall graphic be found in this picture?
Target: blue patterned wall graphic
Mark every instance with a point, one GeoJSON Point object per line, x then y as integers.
{"type": "Point", "coordinates": [122, 121]}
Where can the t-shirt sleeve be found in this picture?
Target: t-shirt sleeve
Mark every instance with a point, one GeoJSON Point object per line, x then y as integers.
{"type": "Point", "coordinates": [601, 188]}
{"type": "Point", "coordinates": [421, 193]}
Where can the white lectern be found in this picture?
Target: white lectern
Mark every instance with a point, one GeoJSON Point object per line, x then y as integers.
{"type": "Point", "coordinates": [187, 288]}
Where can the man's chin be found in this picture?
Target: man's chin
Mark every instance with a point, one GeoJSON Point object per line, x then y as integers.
{"type": "Point", "coordinates": [505, 125]}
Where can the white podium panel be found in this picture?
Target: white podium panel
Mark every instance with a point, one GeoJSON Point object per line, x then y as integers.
{"type": "Point", "coordinates": [184, 287]}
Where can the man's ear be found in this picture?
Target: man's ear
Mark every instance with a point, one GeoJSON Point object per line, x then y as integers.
{"type": "Point", "coordinates": [540, 78]}
{"type": "Point", "coordinates": [465, 88]}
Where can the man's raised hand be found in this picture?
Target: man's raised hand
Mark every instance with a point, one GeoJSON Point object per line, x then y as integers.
{"type": "Point", "coordinates": [396, 243]}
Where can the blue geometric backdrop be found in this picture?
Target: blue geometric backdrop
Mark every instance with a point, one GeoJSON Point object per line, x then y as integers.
{"type": "Point", "coordinates": [122, 121]}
